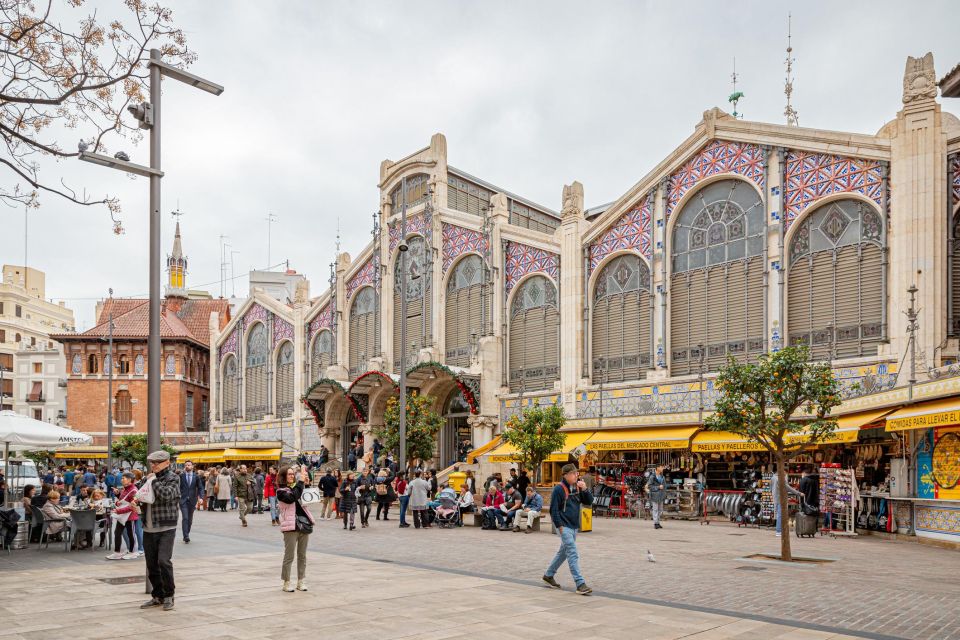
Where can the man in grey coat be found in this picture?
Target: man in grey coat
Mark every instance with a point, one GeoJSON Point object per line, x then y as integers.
{"type": "Point", "coordinates": [419, 492]}
{"type": "Point", "coordinates": [657, 493]}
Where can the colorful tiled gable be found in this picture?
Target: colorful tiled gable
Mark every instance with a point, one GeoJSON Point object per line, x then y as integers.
{"type": "Point", "coordinates": [633, 230]}
{"type": "Point", "coordinates": [254, 313]}
{"type": "Point", "coordinates": [811, 176]}
{"type": "Point", "coordinates": [362, 277]}
{"type": "Point", "coordinates": [323, 320]}
{"type": "Point", "coordinates": [523, 259]}
{"type": "Point", "coordinates": [282, 330]}
{"type": "Point", "coordinates": [420, 224]}
{"type": "Point", "coordinates": [955, 163]}
{"type": "Point", "coordinates": [718, 156]}
{"type": "Point", "coordinates": [230, 344]}
{"type": "Point", "coordinates": [458, 241]}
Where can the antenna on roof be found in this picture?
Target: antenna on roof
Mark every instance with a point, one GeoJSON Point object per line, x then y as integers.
{"type": "Point", "coordinates": [338, 235]}
{"type": "Point", "coordinates": [736, 95]}
{"type": "Point", "coordinates": [789, 111]}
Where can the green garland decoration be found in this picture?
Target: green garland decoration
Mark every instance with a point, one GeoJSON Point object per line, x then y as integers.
{"type": "Point", "coordinates": [461, 385]}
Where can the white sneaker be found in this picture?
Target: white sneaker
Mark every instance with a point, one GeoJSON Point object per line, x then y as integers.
{"type": "Point", "coordinates": [130, 556]}
{"type": "Point", "coordinates": [287, 586]}
{"type": "Point", "coordinates": [301, 585]}
{"type": "Point", "coordinates": [139, 554]}
{"type": "Point", "coordinates": [115, 556]}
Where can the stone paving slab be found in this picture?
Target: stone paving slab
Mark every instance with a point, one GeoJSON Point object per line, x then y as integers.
{"type": "Point", "coordinates": [238, 597]}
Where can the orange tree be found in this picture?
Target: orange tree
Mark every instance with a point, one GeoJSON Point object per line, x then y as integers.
{"type": "Point", "coordinates": [423, 424]}
{"type": "Point", "coordinates": [782, 402]}
{"type": "Point", "coordinates": [535, 434]}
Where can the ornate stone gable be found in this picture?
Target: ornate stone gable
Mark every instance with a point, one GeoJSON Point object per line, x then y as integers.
{"type": "Point", "coordinates": [811, 176]}
{"type": "Point", "coordinates": [323, 320]}
{"type": "Point", "coordinates": [522, 259]}
{"type": "Point", "coordinates": [633, 230]}
{"type": "Point", "coordinates": [364, 276]}
{"type": "Point", "coordinates": [718, 156]}
{"type": "Point", "coordinates": [460, 240]}
{"type": "Point", "coordinates": [420, 224]}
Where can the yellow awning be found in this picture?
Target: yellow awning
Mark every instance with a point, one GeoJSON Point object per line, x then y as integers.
{"type": "Point", "coordinates": [82, 453]}
{"type": "Point", "coordinates": [252, 454]}
{"type": "Point", "coordinates": [934, 413]}
{"type": "Point", "coordinates": [574, 440]}
{"type": "Point", "coordinates": [482, 450]}
{"type": "Point", "coordinates": [201, 457]}
{"type": "Point", "coordinates": [859, 420]}
{"type": "Point", "coordinates": [504, 453]}
{"type": "Point", "coordinates": [719, 441]}
{"type": "Point", "coordinates": [635, 439]}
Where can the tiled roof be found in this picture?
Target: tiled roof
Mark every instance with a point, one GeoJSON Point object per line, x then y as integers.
{"type": "Point", "coordinates": [131, 319]}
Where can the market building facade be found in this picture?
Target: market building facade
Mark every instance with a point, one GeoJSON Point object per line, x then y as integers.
{"type": "Point", "coordinates": [748, 237]}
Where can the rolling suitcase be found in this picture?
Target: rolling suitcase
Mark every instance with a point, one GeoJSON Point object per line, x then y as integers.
{"type": "Point", "coordinates": [806, 524]}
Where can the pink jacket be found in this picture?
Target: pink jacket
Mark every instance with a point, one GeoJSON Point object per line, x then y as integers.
{"type": "Point", "coordinates": [288, 510]}
{"type": "Point", "coordinates": [127, 494]}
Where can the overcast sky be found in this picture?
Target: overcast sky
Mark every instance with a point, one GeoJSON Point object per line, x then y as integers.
{"type": "Point", "coordinates": [531, 95]}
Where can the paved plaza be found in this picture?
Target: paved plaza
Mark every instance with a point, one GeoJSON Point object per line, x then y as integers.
{"type": "Point", "coordinates": [468, 583]}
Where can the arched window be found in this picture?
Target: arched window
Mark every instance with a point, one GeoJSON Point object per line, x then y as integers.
{"type": "Point", "coordinates": [123, 364]}
{"type": "Point", "coordinates": [257, 397]}
{"type": "Point", "coordinates": [417, 190]}
{"type": "Point", "coordinates": [835, 283]}
{"type": "Point", "coordinates": [322, 355]}
{"type": "Point", "coordinates": [464, 310]}
{"type": "Point", "coordinates": [418, 301]}
{"type": "Point", "coordinates": [123, 408]}
{"type": "Point", "coordinates": [534, 336]}
{"type": "Point", "coordinates": [76, 367]}
{"type": "Point", "coordinates": [138, 365]}
{"type": "Point", "coordinates": [716, 285]}
{"type": "Point", "coordinates": [229, 391]}
{"type": "Point", "coordinates": [170, 366]}
{"type": "Point", "coordinates": [622, 321]}
{"type": "Point", "coordinates": [363, 330]}
{"type": "Point", "coordinates": [93, 364]}
{"type": "Point", "coordinates": [285, 380]}
{"type": "Point", "coordinates": [107, 361]}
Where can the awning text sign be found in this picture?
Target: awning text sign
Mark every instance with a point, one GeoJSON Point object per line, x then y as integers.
{"type": "Point", "coordinates": [936, 419]}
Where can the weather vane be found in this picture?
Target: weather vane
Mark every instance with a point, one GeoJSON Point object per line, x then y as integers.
{"type": "Point", "coordinates": [736, 95]}
{"type": "Point", "coordinates": [789, 111]}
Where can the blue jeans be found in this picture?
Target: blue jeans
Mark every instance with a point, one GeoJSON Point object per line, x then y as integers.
{"type": "Point", "coordinates": [138, 534]}
{"type": "Point", "coordinates": [567, 553]}
{"type": "Point", "coordinates": [404, 501]}
{"type": "Point", "coordinates": [273, 508]}
{"type": "Point", "coordinates": [779, 522]}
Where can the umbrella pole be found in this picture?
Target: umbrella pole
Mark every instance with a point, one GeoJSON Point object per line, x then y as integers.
{"type": "Point", "coordinates": [6, 472]}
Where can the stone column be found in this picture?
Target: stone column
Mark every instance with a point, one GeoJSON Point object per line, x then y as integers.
{"type": "Point", "coordinates": [661, 288]}
{"type": "Point", "coordinates": [340, 371]}
{"type": "Point", "coordinates": [213, 375]}
{"type": "Point", "coordinates": [776, 256]}
{"type": "Point", "coordinates": [571, 298]}
{"type": "Point", "coordinates": [918, 219]}
{"type": "Point", "coordinates": [299, 376]}
{"type": "Point", "coordinates": [386, 281]}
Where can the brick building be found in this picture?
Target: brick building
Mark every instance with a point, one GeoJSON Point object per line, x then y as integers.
{"type": "Point", "coordinates": [186, 321]}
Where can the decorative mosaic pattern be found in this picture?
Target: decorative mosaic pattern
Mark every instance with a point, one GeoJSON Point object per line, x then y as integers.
{"type": "Point", "coordinates": [76, 368]}
{"type": "Point", "coordinates": [811, 176]}
{"type": "Point", "coordinates": [717, 157]}
{"type": "Point", "coordinates": [522, 260]}
{"type": "Point", "coordinates": [323, 320]}
{"type": "Point", "coordinates": [955, 163]}
{"type": "Point", "coordinates": [230, 344]}
{"type": "Point", "coordinates": [513, 406]}
{"type": "Point", "coordinates": [282, 330]}
{"type": "Point", "coordinates": [458, 241]}
{"type": "Point", "coordinates": [420, 224]}
{"type": "Point", "coordinates": [364, 276]}
{"type": "Point", "coordinates": [138, 365]}
{"type": "Point", "coordinates": [944, 520]}
{"type": "Point", "coordinates": [632, 231]}
{"type": "Point", "coordinates": [171, 367]}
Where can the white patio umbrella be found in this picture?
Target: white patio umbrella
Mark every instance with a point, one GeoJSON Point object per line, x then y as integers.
{"type": "Point", "coordinates": [22, 433]}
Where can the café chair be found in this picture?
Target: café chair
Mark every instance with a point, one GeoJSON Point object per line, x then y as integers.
{"type": "Point", "coordinates": [81, 522]}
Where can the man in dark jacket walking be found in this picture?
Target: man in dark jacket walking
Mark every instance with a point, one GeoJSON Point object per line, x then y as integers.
{"type": "Point", "coordinates": [191, 489]}
{"type": "Point", "coordinates": [243, 489]}
{"type": "Point", "coordinates": [160, 529]}
{"type": "Point", "coordinates": [328, 487]}
{"type": "Point", "coordinates": [565, 503]}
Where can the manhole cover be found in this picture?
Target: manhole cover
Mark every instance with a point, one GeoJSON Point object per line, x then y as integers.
{"type": "Point", "coordinates": [773, 556]}
{"type": "Point", "coordinates": [751, 568]}
{"type": "Point", "coordinates": [381, 560]}
{"type": "Point", "coordinates": [123, 580]}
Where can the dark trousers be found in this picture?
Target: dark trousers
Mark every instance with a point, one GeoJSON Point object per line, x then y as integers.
{"type": "Point", "coordinates": [365, 507]}
{"type": "Point", "coordinates": [186, 511]}
{"type": "Point", "coordinates": [421, 518]}
{"type": "Point", "coordinates": [258, 502]}
{"type": "Point", "coordinates": [384, 508]}
{"type": "Point", "coordinates": [118, 530]}
{"type": "Point", "coordinates": [158, 552]}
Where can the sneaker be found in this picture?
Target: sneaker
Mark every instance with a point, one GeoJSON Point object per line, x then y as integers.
{"type": "Point", "coordinates": [553, 583]}
{"type": "Point", "coordinates": [152, 602]}
{"type": "Point", "coordinates": [130, 556]}
{"type": "Point", "coordinates": [584, 590]}
{"type": "Point", "coordinates": [168, 604]}
{"type": "Point", "coordinates": [115, 556]}
{"type": "Point", "coordinates": [516, 529]}
{"type": "Point", "coordinates": [529, 530]}
{"type": "Point", "coordinates": [301, 585]}
{"type": "Point", "coordinates": [140, 554]}
{"type": "Point", "coordinates": [287, 586]}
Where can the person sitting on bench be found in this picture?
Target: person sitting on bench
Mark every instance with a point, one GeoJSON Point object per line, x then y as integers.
{"type": "Point", "coordinates": [512, 503]}
{"type": "Point", "coordinates": [530, 510]}
{"type": "Point", "coordinates": [492, 516]}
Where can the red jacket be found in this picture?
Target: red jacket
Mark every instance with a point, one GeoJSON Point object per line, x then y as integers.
{"type": "Point", "coordinates": [270, 486]}
{"type": "Point", "coordinates": [127, 494]}
{"type": "Point", "coordinates": [495, 502]}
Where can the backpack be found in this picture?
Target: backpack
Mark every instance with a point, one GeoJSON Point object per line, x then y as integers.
{"type": "Point", "coordinates": [382, 488]}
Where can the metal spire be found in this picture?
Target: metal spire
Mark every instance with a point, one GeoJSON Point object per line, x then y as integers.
{"type": "Point", "coordinates": [736, 95]}
{"type": "Point", "coordinates": [789, 111]}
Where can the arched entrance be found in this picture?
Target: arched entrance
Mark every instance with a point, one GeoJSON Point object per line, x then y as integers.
{"type": "Point", "coordinates": [456, 429]}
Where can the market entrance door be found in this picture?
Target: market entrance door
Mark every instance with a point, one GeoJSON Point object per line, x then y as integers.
{"type": "Point", "coordinates": [455, 429]}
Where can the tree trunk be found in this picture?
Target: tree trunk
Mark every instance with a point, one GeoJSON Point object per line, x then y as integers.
{"type": "Point", "coordinates": [784, 499]}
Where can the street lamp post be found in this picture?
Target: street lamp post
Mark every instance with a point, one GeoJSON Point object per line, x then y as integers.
{"type": "Point", "coordinates": [403, 328]}
{"type": "Point", "coordinates": [110, 388]}
{"type": "Point", "coordinates": [148, 114]}
{"type": "Point", "coordinates": [700, 371]}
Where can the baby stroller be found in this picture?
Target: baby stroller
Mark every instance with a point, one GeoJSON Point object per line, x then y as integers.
{"type": "Point", "coordinates": [447, 513]}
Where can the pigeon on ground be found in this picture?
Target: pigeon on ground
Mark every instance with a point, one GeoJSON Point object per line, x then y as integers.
{"type": "Point", "coordinates": [650, 557]}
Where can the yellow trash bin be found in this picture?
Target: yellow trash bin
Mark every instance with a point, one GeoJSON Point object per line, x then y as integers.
{"type": "Point", "coordinates": [586, 518]}
{"type": "Point", "coordinates": [456, 480]}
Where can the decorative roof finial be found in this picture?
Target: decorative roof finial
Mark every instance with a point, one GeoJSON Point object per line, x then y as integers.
{"type": "Point", "coordinates": [736, 95]}
{"type": "Point", "coordinates": [789, 111]}
{"type": "Point", "coordinates": [338, 236]}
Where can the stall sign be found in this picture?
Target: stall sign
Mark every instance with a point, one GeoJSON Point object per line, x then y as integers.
{"type": "Point", "coordinates": [632, 445]}
{"type": "Point", "coordinates": [715, 447]}
{"type": "Point", "coordinates": [937, 419]}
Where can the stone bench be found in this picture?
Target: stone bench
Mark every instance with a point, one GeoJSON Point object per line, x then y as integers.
{"type": "Point", "coordinates": [476, 520]}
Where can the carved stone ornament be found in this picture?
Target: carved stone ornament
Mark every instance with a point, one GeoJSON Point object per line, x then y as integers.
{"type": "Point", "coordinates": [919, 79]}
{"type": "Point", "coordinates": [572, 200]}
{"type": "Point", "coordinates": [301, 294]}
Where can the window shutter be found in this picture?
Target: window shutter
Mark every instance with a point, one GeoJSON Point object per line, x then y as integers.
{"type": "Point", "coordinates": [756, 332]}
{"type": "Point", "coordinates": [871, 298]}
{"type": "Point", "coordinates": [798, 302]}
{"type": "Point", "coordinates": [518, 333]}
{"type": "Point", "coordinates": [679, 322]}
{"type": "Point", "coordinates": [821, 303]}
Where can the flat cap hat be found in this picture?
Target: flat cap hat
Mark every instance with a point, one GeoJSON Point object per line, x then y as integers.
{"type": "Point", "coordinates": [158, 456]}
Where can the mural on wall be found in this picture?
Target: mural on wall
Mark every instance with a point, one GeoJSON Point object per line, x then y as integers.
{"type": "Point", "coordinates": [364, 276]}
{"type": "Point", "coordinates": [938, 519]}
{"type": "Point", "coordinates": [513, 406]}
{"type": "Point", "coordinates": [718, 156]}
{"type": "Point", "coordinates": [522, 259]}
{"type": "Point", "coordinates": [460, 240]}
{"type": "Point", "coordinates": [632, 231]}
{"type": "Point", "coordinates": [420, 224]}
{"type": "Point", "coordinates": [811, 176]}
